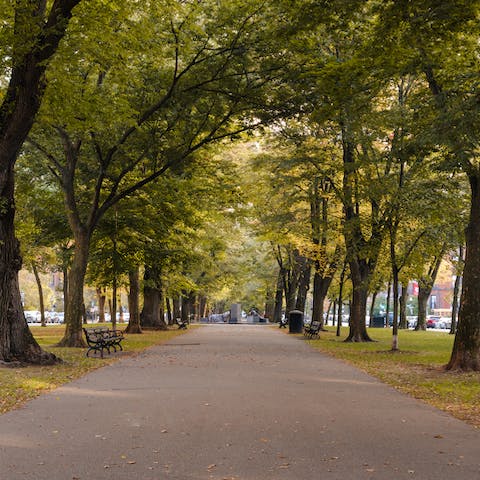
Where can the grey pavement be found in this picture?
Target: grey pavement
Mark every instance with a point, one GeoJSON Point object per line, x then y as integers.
{"type": "Point", "coordinates": [228, 402]}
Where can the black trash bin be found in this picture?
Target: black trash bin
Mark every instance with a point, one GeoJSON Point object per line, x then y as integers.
{"type": "Point", "coordinates": [378, 321]}
{"type": "Point", "coordinates": [295, 321]}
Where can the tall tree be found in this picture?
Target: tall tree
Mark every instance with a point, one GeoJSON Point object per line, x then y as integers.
{"type": "Point", "coordinates": [37, 28]}
{"type": "Point", "coordinates": [114, 137]}
{"type": "Point", "coordinates": [440, 40]}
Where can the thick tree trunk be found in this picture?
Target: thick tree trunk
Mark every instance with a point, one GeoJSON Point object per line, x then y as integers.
{"type": "Point", "coordinates": [152, 312]}
{"type": "Point", "coordinates": [340, 299]}
{"type": "Point", "coordinates": [133, 302]}
{"type": "Point", "coordinates": [177, 308]}
{"type": "Point", "coordinates": [456, 291]}
{"type": "Point", "coordinates": [65, 287]}
{"type": "Point", "coordinates": [360, 275]}
{"type": "Point", "coordinates": [423, 294]}
{"type": "Point", "coordinates": [35, 41]}
{"type": "Point", "coordinates": [75, 302]}
{"type": "Point", "coordinates": [425, 285]}
{"type": "Point", "coordinates": [372, 306]}
{"type": "Point", "coordinates": [362, 253]}
{"type": "Point", "coordinates": [321, 285]}
{"type": "Point", "coordinates": [466, 349]}
{"type": "Point", "coordinates": [269, 304]}
{"type": "Point", "coordinates": [101, 298]}
{"type": "Point", "coordinates": [303, 284]}
{"type": "Point", "coordinates": [277, 311]}
{"type": "Point", "coordinates": [38, 281]}
{"type": "Point", "coordinates": [168, 303]}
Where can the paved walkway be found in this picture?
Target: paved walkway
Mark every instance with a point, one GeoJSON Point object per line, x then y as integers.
{"type": "Point", "coordinates": [228, 402]}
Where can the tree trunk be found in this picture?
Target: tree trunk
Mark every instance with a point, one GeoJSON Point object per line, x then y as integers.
{"type": "Point", "coordinates": [425, 285]}
{"type": "Point", "coordinates": [75, 303]}
{"type": "Point", "coordinates": [387, 309]}
{"type": "Point", "coordinates": [36, 39]}
{"type": "Point", "coordinates": [102, 298]}
{"type": "Point", "coordinates": [466, 349]}
{"type": "Point", "coordinates": [362, 253]}
{"type": "Point", "coordinates": [133, 302]}
{"type": "Point", "coordinates": [360, 275]}
{"type": "Point", "coordinates": [303, 284]}
{"type": "Point", "coordinates": [65, 288]}
{"type": "Point", "coordinates": [423, 294]}
{"type": "Point", "coordinates": [372, 306]}
{"type": "Point", "coordinates": [113, 313]}
{"type": "Point", "coordinates": [152, 312]}
{"type": "Point", "coordinates": [40, 294]}
{"type": "Point", "coordinates": [269, 304]}
{"type": "Point", "coordinates": [395, 310]}
{"type": "Point", "coordinates": [456, 290]}
{"type": "Point", "coordinates": [402, 312]}
{"type": "Point", "coordinates": [340, 299]}
{"type": "Point", "coordinates": [168, 303]}
{"type": "Point", "coordinates": [321, 285]}
{"type": "Point", "coordinates": [277, 312]}
{"type": "Point", "coordinates": [177, 313]}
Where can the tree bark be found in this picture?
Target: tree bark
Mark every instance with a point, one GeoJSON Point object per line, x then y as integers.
{"type": "Point", "coordinates": [321, 284]}
{"type": "Point", "coordinates": [40, 294]}
{"type": "Point", "coordinates": [456, 290]}
{"type": "Point", "coordinates": [372, 306]}
{"type": "Point", "coordinates": [403, 308]}
{"type": "Point", "coordinates": [36, 38]}
{"type": "Point", "coordinates": [277, 311]}
{"type": "Point", "coordinates": [303, 284]}
{"type": "Point", "coordinates": [362, 253]}
{"type": "Point", "coordinates": [422, 298]}
{"type": "Point", "coordinates": [152, 312]}
{"type": "Point", "coordinates": [425, 285]}
{"type": "Point", "coordinates": [75, 303]}
{"type": "Point", "coordinates": [177, 313]}
{"type": "Point", "coordinates": [133, 302]}
{"type": "Point", "coordinates": [358, 311]}
{"type": "Point", "coordinates": [466, 349]}
{"type": "Point", "coordinates": [101, 298]}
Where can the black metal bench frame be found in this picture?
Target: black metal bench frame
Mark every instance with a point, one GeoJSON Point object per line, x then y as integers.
{"type": "Point", "coordinates": [103, 338]}
{"type": "Point", "coordinates": [182, 324]}
{"type": "Point", "coordinates": [283, 323]}
{"type": "Point", "coordinates": [312, 330]}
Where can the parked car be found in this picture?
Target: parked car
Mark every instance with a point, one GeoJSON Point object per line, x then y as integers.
{"type": "Point", "coordinates": [432, 321]}
{"type": "Point", "coordinates": [444, 323]}
{"type": "Point", "coordinates": [32, 316]}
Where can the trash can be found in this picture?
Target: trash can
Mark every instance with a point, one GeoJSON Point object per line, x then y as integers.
{"type": "Point", "coordinates": [295, 321]}
{"type": "Point", "coordinates": [378, 321]}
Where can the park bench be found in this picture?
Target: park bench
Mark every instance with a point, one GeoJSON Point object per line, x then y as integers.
{"type": "Point", "coordinates": [182, 324]}
{"type": "Point", "coordinates": [312, 330]}
{"type": "Point", "coordinates": [103, 338]}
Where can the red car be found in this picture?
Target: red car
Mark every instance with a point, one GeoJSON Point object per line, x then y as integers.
{"type": "Point", "coordinates": [432, 321]}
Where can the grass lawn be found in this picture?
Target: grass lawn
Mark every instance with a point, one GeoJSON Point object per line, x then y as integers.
{"type": "Point", "coordinates": [417, 369]}
{"type": "Point", "coordinates": [18, 385]}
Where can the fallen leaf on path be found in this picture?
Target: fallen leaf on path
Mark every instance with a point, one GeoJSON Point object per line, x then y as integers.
{"type": "Point", "coordinates": [131, 462]}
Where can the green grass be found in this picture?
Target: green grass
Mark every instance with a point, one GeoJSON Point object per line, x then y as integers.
{"type": "Point", "coordinates": [417, 368]}
{"type": "Point", "coordinates": [17, 385]}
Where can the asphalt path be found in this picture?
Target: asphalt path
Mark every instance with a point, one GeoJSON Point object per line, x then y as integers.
{"type": "Point", "coordinates": [233, 402]}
